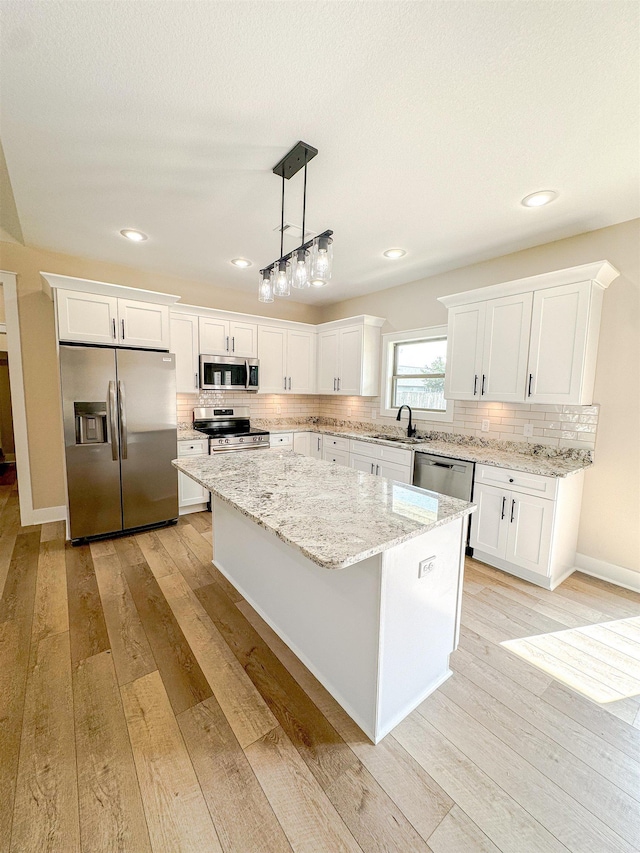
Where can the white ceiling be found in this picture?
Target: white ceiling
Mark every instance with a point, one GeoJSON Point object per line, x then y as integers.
{"type": "Point", "coordinates": [432, 119]}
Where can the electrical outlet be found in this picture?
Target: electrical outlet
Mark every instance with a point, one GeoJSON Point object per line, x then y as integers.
{"type": "Point", "coordinates": [278, 410]}
{"type": "Point", "coordinates": [374, 414]}
{"type": "Point", "coordinates": [485, 425]}
{"type": "Point", "coordinates": [426, 566]}
{"type": "Point", "coordinates": [528, 429]}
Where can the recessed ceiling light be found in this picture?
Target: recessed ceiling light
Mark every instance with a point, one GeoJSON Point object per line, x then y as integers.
{"type": "Point", "coordinates": [394, 253]}
{"type": "Point", "coordinates": [317, 282]}
{"type": "Point", "coordinates": [539, 198]}
{"type": "Point", "coordinates": [134, 236]}
{"type": "Point", "coordinates": [241, 262]}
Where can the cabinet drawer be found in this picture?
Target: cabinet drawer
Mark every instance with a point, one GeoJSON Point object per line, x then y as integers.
{"type": "Point", "coordinates": [517, 481]}
{"type": "Point", "coordinates": [381, 451]}
{"type": "Point", "coordinates": [333, 442]}
{"type": "Point", "coordinates": [341, 457]}
{"type": "Point", "coordinates": [282, 439]}
{"type": "Point", "coordinates": [192, 448]}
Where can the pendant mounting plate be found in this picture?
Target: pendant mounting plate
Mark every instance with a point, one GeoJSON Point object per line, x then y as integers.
{"type": "Point", "coordinates": [292, 162]}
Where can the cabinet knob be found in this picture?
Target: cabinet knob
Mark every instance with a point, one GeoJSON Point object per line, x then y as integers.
{"type": "Point", "coordinates": [511, 479]}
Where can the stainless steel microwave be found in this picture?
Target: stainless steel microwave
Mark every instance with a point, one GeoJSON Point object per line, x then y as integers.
{"type": "Point", "coordinates": [227, 373]}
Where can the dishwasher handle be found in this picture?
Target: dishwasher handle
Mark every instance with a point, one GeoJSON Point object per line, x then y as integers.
{"type": "Point", "coordinates": [451, 465]}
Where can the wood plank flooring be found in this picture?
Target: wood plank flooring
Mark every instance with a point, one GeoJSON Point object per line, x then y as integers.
{"type": "Point", "coordinates": [146, 708]}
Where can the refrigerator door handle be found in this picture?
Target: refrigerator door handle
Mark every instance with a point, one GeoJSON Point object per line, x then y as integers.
{"type": "Point", "coordinates": [123, 419]}
{"type": "Point", "coordinates": [112, 421]}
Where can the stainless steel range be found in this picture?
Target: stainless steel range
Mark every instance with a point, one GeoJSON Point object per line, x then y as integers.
{"type": "Point", "coordinates": [229, 429]}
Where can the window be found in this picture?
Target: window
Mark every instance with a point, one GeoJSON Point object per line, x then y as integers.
{"type": "Point", "coordinates": [415, 366]}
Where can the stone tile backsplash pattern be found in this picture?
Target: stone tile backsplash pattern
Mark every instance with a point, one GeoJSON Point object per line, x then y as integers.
{"type": "Point", "coordinates": [553, 426]}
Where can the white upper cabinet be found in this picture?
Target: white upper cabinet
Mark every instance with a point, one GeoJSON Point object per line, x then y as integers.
{"type": "Point", "coordinates": [87, 317]}
{"type": "Point", "coordinates": [184, 345]}
{"type": "Point", "coordinates": [143, 324]}
{"type": "Point", "coordinates": [349, 356]}
{"type": "Point", "coordinates": [533, 340]}
{"type": "Point", "coordinates": [287, 360]}
{"type": "Point", "coordinates": [95, 318]}
{"type": "Point", "coordinates": [465, 340]}
{"type": "Point", "coordinates": [228, 337]}
{"type": "Point", "coordinates": [505, 350]}
{"type": "Point", "coordinates": [564, 320]}
{"type": "Point", "coordinates": [328, 361]}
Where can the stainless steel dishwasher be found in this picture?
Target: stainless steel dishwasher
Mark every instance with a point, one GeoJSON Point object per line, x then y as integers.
{"type": "Point", "coordinates": [442, 474]}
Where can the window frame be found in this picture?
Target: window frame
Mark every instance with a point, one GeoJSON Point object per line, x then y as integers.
{"type": "Point", "coordinates": [389, 342]}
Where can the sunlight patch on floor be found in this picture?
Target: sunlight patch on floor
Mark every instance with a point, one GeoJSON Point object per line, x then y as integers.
{"type": "Point", "coordinates": [600, 661]}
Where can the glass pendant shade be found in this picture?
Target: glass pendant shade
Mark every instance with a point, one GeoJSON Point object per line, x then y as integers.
{"type": "Point", "coordinates": [282, 285]}
{"type": "Point", "coordinates": [265, 288]}
{"type": "Point", "coordinates": [300, 273]}
{"type": "Point", "coordinates": [321, 261]}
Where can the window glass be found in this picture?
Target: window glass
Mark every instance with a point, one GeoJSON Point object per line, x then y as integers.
{"type": "Point", "coordinates": [418, 374]}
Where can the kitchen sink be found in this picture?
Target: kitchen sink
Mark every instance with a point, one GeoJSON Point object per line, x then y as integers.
{"type": "Point", "coordinates": [401, 438]}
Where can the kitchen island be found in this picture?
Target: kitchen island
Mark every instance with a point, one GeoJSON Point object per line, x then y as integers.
{"type": "Point", "coordinates": [360, 576]}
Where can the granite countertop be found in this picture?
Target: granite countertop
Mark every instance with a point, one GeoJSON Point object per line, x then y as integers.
{"type": "Point", "coordinates": [334, 515]}
{"type": "Point", "coordinates": [497, 453]}
{"type": "Point", "coordinates": [191, 435]}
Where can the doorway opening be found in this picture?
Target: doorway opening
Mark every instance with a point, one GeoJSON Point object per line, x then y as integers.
{"type": "Point", "coordinates": [7, 444]}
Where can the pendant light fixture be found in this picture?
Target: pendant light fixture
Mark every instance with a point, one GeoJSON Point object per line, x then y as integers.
{"type": "Point", "coordinates": [309, 264]}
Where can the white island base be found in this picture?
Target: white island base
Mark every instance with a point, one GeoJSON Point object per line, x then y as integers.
{"type": "Point", "coordinates": [375, 634]}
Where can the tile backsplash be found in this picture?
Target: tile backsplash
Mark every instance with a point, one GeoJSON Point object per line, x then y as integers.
{"type": "Point", "coordinates": [553, 425]}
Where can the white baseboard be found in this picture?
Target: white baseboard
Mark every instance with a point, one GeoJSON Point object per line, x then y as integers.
{"type": "Point", "coordinates": [44, 515]}
{"type": "Point", "coordinates": [618, 575]}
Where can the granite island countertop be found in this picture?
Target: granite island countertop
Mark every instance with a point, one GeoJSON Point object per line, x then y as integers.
{"type": "Point", "coordinates": [336, 516]}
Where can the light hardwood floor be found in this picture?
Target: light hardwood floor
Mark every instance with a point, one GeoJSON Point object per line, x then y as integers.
{"type": "Point", "coordinates": [144, 706]}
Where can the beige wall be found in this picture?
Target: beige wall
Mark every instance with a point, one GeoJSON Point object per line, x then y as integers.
{"type": "Point", "coordinates": [41, 380]}
{"type": "Point", "coordinates": [610, 523]}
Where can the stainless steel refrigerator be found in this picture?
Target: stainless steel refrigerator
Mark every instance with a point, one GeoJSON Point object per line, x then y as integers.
{"type": "Point", "coordinates": [119, 409]}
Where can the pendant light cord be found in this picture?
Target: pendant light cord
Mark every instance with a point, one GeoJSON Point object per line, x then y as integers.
{"type": "Point", "coordinates": [304, 197]}
{"type": "Point", "coordinates": [282, 220]}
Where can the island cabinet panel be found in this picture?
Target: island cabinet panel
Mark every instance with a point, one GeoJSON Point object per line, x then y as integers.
{"type": "Point", "coordinates": [377, 634]}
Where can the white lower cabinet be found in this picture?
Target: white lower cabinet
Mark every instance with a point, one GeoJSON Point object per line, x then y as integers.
{"type": "Point", "coordinates": [330, 454]}
{"type": "Point", "coordinates": [281, 439]}
{"type": "Point", "coordinates": [192, 497]}
{"type": "Point", "coordinates": [395, 463]}
{"type": "Point", "coordinates": [308, 444]}
{"type": "Point", "coordinates": [522, 533]}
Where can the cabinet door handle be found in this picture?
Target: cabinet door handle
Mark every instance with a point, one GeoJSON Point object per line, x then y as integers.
{"type": "Point", "coordinates": [195, 379]}
{"type": "Point", "coordinates": [372, 467]}
{"type": "Point", "coordinates": [318, 444]}
{"type": "Point", "coordinates": [475, 385]}
{"type": "Point", "coordinates": [122, 329]}
{"type": "Point", "coordinates": [334, 383]}
{"type": "Point", "coordinates": [227, 343]}
{"type": "Point", "coordinates": [513, 506]}
{"type": "Point", "coordinates": [482, 391]}
{"type": "Point", "coordinates": [504, 501]}
{"type": "Point", "coordinates": [377, 470]}
{"type": "Point", "coordinates": [285, 383]}
{"type": "Point", "coordinates": [289, 383]}
{"type": "Point", "coordinates": [114, 328]}
{"type": "Point", "coordinates": [338, 383]}
{"type": "Point", "coordinates": [530, 381]}
{"type": "Point", "coordinates": [233, 344]}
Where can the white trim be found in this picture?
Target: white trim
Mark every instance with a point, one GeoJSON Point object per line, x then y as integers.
{"type": "Point", "coordinates": [388, 342]}
{"type": "Point", "coordinates": [600, 272]}
{"type": "Point", "coordinates": [618, 575]}
{"type": "Point", "coordinates": [48, 513]}
{"type": "Point", "coordinates": [16, 381]}
{"type": "Point", "coordinates": [51, 281]}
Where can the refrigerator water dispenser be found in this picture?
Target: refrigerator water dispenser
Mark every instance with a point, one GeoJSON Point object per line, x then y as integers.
{"type": "Point", "coordinates": [91, 423]}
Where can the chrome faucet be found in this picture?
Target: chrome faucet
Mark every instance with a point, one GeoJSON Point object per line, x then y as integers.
{"type": "Point", "coordinates": [411, 430]}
